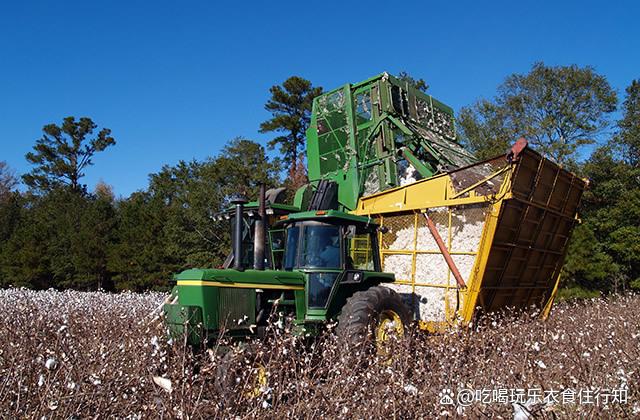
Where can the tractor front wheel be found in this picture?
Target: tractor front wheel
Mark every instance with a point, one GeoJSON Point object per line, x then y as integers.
{"type": "Point", "coordinates": [376, 315]}
{"type": "Point", "coordinates": [242, 369]}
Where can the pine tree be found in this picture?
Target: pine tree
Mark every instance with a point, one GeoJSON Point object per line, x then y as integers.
{"type": "Point", "coordinates": [8, 180]}
{"type": "Point", "coordinates": [290, 107]}
{"type": "Point", "coordinates": [419, 84]}
{"type": "Point", "coordinates": [64, 152]}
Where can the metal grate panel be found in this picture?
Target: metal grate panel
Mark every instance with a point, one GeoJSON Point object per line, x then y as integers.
{"type": "Point", "coordinates": [237, 308]}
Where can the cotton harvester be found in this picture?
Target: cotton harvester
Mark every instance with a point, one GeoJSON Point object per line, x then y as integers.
{"type": "Point", "coordinates": [397, 224]}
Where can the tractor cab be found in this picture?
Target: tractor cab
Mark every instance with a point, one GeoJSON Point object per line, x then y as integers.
{"type": "Point", "coordinates": [338, 254]}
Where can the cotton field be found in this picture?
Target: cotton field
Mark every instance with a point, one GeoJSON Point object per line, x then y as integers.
{"type": "Point", "coordinates": [89, 355]}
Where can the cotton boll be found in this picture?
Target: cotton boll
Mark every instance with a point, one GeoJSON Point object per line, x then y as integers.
{"type": "Point", "coordinates": [432, 303]}
{"type": "Point", "coordinates": [411, 389]}
{"type": "Point", "coordinates": [51, 363]}
{"type": "Point", "coordinates": [163, 383]}
{"type": "Point", "coordinates": [409, 176]}
{"type": "Point", "coordinates": [400, 265]}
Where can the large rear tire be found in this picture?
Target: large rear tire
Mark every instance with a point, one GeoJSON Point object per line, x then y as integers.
{"type": "Point", "coordinates": [373, 316]}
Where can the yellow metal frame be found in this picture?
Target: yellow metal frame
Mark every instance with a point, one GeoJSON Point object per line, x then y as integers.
{"type": "Point", "coordinates": [534, 192]}
{"type": "Point", "coordinates": [435, 192]}
{"type": "Point", "coordinates": [360, 246]}
{"type": "Point", "coordinates": [450, 308]}
{"type": "Point", "coordinates": [547, 307]}
{"type": "Point", "coordinates": [475, 279]}
{"type": "Point", "coordinates": [432, 192]}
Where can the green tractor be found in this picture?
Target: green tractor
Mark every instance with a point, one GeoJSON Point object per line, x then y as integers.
{"type": "Point", "coordinates": [315, 267]}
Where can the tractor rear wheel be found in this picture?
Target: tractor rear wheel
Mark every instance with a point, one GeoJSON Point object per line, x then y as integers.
{"type": "Point", "coordinates": [376, 315]}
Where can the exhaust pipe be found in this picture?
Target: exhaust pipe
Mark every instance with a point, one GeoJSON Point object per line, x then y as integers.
{"type": "Point", "coordinates": [260, 232]}
{"type": "Point", "coordinates": [239, 201]}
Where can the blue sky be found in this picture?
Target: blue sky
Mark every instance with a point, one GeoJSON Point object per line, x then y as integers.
{"type": "Point", "coordinates": [176, 80]}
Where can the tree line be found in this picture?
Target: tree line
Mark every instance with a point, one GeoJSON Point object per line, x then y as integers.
{"type": "Point", "coordinates": [566, 114]}
{"type": "Point", "coordinates": [57, 233]}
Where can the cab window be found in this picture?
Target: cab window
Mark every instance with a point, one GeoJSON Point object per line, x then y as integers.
{"type": "Point", "coordinates": [360, 252]}
{"type": "Point", "coordinates": [363, 107]}
{"type": "Point", "coordinates": [320, 284]}
{"type": "Point", "coordinates": [291, 247]}
{"type": "Point", "coordinates": [320, 247]}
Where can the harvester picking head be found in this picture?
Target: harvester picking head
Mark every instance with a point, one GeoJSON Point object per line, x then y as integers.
{"type": "Point", "coordinates": [379, 134]}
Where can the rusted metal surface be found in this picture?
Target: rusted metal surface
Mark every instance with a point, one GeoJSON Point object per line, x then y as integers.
{"type": "Point", "coordinates": [445, 252]}
{"type": "Point", "coordinates": [516, 149]}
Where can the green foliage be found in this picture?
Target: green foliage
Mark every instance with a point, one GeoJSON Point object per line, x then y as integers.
{"type": "Point", "coordinates": [609, 258]}
{"type": "Point", "coordinates": [558, 109]}
{"type": "Point", "coordinates": [604, 253]}
{"type": "Point", "coordinates": [628, 139]}
{"type": "Point", "coordinates": [94, 237]}
{"type": "Point", "coordinates": [64, 152]}
{"type": "Point", "coordinates": [59, 240]}
{"type": "Point", "coordinates": [484, 129]}
{"type": "Point", "coordinates": [576, 292]}
{"type": "Point", "coordinates": [419, 84]}
{"type": "Point", "coordinates": [169, 227]}
{"type": "Point", "coordinates": [290, 107]}
{"type": "Point", "coordinates": [11, 211]}
{"type": "Point", "coordinates": [7, 180]}
{"type": "Point", "coordinates": [136, 257]}
{"type": "Point", "coordinates": [68, 238]}
{"type": "Point", "coordinates": [588, 265]}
